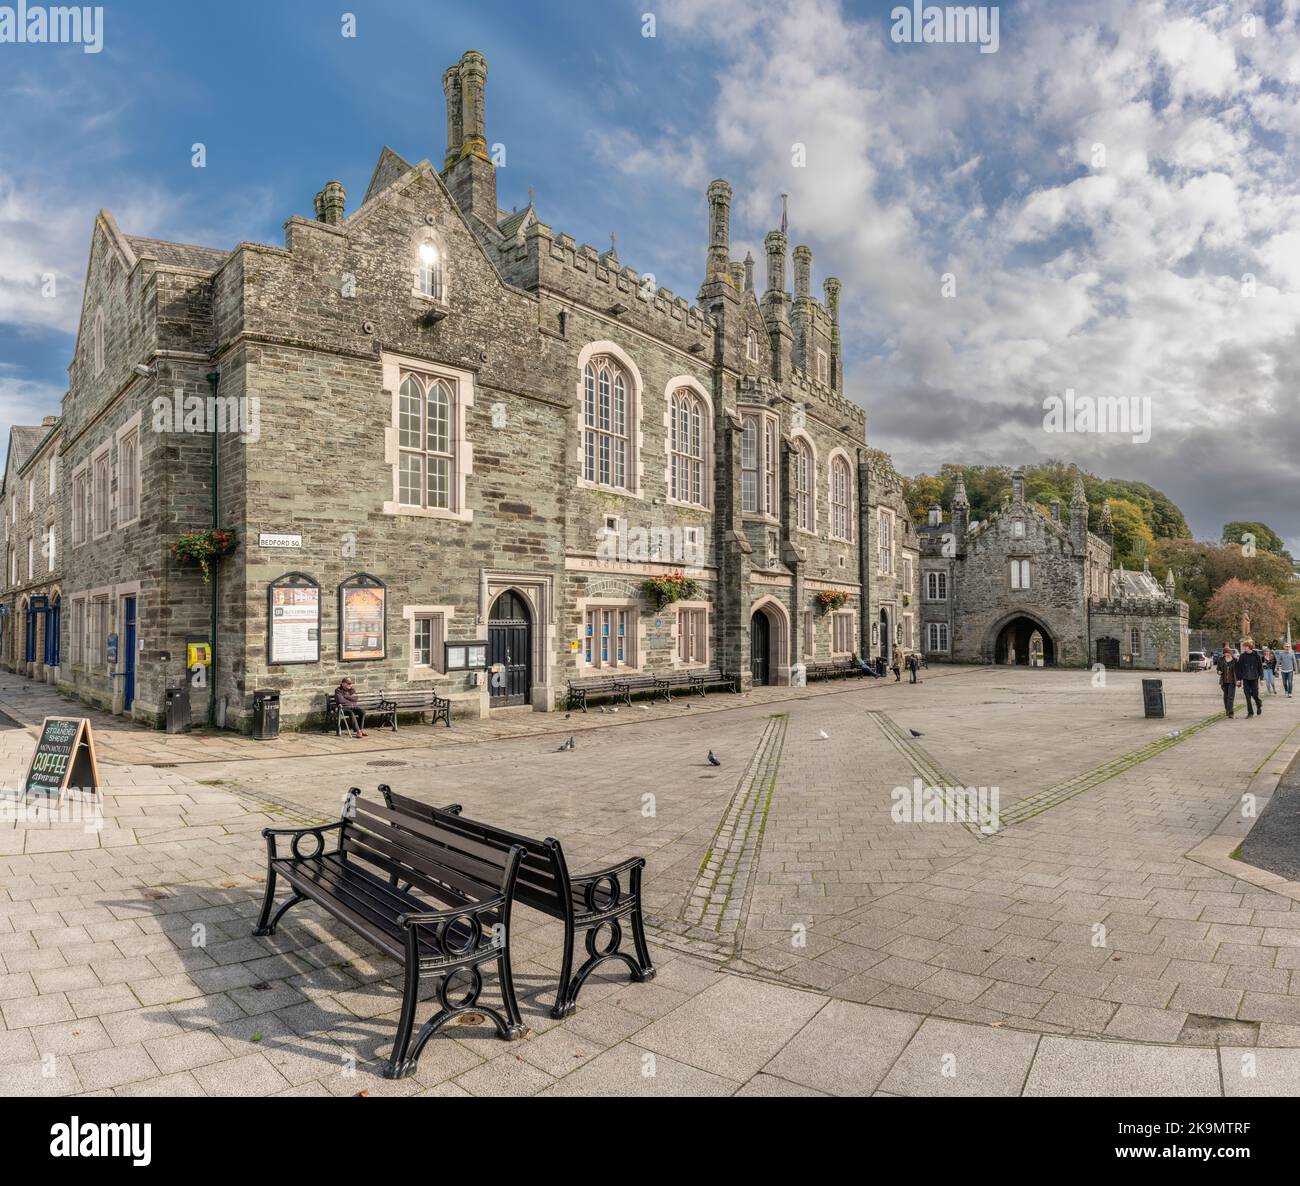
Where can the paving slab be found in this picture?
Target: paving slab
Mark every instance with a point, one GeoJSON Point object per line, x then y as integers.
{"type": "Point", "coordinates": [846, 1049]}
{"type": "Point", "coordinates": [1080, 1067]}
{"type": "Point", "coordinates": [732, 1029]}
{"type": "Point", "coordinates": [949, 1058]}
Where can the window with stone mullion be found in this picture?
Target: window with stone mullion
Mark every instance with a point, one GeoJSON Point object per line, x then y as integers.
{"type": "Point", "coordinates": [424, 441]}
{"type": "Point", "coordinates": [605, 417]}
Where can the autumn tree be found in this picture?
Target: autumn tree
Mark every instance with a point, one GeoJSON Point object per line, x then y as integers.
{"type": "Point", "coordinates": [1235, 597]}
{"type": "Point", "coordinates": [1133, 538]}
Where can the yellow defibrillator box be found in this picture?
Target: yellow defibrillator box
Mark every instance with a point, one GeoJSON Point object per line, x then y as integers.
{"type": "Point", "coordinates": [198, 654]}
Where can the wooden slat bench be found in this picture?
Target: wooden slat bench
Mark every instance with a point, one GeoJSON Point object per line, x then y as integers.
{"type": "Point", "coordinates": [421, 700]}
{"type": "Point", "coordinates": [614, 687]}
{"type": "Point", "coordinates": [698, 681]}
{"type": "Point", "coordinates": [835, 669]}
{"type": "Point", "coordinates": [377, 709]}
{"type": "Point", "coordinates": [357, 883]}
{"type": "Point", "coordinates": [586, 903]}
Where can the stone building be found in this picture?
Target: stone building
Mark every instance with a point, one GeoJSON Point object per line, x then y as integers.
{"type": "Point", "coordinates": [433, 423]}
{"type": "Point", "coordinates": [893, 551]}
{"type": "Point", "coordinates": [1037, 589]}
{"type": "Point", "coordinates": [30, 544]}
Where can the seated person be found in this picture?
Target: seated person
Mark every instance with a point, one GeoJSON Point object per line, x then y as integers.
{"type": "Point", "coordinates": [346, 697]}
{"type": "Point", "coordinates": [864, 666]}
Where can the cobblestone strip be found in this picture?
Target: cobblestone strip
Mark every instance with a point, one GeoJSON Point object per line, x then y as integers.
{"type": "Point", "coordinates": [1033, 805]}
{"type": "Point", "coordinates": [713, 914]}
{"type": "Point", "coordinates": [921, 762]}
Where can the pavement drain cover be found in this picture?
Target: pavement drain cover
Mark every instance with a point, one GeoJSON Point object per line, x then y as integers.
{"type": "Point", "coordinates": [163, 765]}
{"type": "Point", "coordinates": [1202, 1030]}
{"type": "Point", "coordinates": [471, 1019]}
{"type": "Point", "coordinates": [385, 763]}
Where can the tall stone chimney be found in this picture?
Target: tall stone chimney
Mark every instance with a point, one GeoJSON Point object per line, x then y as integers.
{"type": "Point", "coordinates": [802, 271]}
{"type": "Point", "coordinates": [776, 306]}
{"type": "Point", "coordinates": [718, 266]}
{"type": "Point", "coordinates": [455, 115]}
{"type": "Point", "coordinates": [330, 203]}
{"type": "Point", "coordinates": [471, 177]}
{"type": "Point", "coordinates": [831, 289]}
{"type": "Point", "coordinates": [775, 244]}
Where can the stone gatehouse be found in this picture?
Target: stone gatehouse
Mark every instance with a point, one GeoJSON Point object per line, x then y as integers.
{"type": "Point", "coordinates": [434, 423]}
{"type": "Point", "coordinates": [1036, 589]}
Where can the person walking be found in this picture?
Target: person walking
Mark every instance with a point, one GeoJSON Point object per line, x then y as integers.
{"type": "Point", "coordinates": [1269, 659]}
{"type": "Point", "coordinates": [1228, 679]}
{"type": "Point", "coordinates": [345, 696]}
{"type": "Point", "coordinates": [1286, 663]}
{"type": "Point", "coordinates": [1250, 670]}
{"type": "Point", "coordinates": [897, 667]}
{"type": "Point", "coordinates": [912, 664]}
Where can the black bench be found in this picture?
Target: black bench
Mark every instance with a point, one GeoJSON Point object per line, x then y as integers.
{"type": "Point", "coordinates": [373, 704]}
{"type": "Point", "coordinates": [614, 687]}
{"type": "Point", "coordinates": [356, 882]}
{"type": "Point", "coordinates": [421, 700]}
{"type": "Point", "coordinates": [587, 903]}
{"type": "Point", "coordinates": [698, 680]}
{"type": "Point", "coordinates": [835, 669]}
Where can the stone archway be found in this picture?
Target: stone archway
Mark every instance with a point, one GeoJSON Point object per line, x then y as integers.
{"type": "Point", "coordinates": [1021, 639]}
{"type": "Point", "coordinates": [770, 623]}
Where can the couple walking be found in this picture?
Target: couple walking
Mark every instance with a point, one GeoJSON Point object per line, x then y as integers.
{"type": "Point", "coordinates": [1244, 670]}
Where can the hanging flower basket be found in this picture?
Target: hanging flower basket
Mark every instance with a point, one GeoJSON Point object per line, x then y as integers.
{"type": "Point", "coordinates": [831, 599]}
{"type": "Point", "coordinates": [202, 547]}
{"type": "Point", "coordinates": [672, 586]}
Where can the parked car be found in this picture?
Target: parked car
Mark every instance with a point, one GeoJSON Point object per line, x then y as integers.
{"type": "Point", "coordinates": [1199, 661]}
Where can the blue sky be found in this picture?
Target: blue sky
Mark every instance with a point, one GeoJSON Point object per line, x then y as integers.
{"type": "Point", "coordinates": [922, 160]}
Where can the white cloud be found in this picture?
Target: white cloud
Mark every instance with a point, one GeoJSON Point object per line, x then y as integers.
{"type": "Point", "coordinates": [1120, 279]}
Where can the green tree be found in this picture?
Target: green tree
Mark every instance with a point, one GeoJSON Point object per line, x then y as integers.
{"type": "Point", "coordinates": [1242, 533]}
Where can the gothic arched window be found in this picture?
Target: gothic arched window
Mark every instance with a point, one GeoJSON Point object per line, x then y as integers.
{"type": "Point", "coordinates": [606, 449]}
{"type": "Point", "coordinates": [805, 478]}
{"type": "Point", "coordinates": [841, 500]}
{"type": "Point", "coordinates": [430, 270]}
{"type": "Point", "coordinates": [686, 447]}
{"type": "Point", "coordinates": [424, 442]}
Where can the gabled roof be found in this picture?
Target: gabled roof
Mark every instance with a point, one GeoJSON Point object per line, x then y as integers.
{"type": "Point", "coordinates": [514, 224]}
{"type": "Point", "coordinates": [388, 168]}
{"type": "Point", "coordinates": [23, 441]}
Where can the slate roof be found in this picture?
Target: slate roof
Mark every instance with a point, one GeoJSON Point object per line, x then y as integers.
{"type": "Point", "coordinates": [179, 255]}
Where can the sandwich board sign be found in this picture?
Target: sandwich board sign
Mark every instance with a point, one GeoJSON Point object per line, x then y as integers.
{"type": "Point", "coordinates": [64, 757]}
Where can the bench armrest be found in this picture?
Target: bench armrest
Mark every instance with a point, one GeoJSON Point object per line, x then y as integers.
{"type": "Point", "coordinates": [588, 883]}
{"type": "Point", "coordinates": [483, 917]}
{"type": "Point", "coordinates": [613, 871]}
{"type": "Point", "coordinates": [317, 830]}
{"type": "Point", "coordinates": [423, 918]}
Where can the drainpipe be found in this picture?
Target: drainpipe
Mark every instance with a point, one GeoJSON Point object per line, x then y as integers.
{"type": "Point", "coordinates": [214, 379]}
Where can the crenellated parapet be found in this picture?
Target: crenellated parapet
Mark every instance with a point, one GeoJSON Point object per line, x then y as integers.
{"type": "Point", "coordinates": [799, 388]}
{"type": "Point", "coordinates": [578, 271]}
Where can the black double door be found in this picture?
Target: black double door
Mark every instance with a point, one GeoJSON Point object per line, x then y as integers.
{"type": "Point", "coordinates": [510, 649]}
{"type": "Point", "coordinates": [760, 640]}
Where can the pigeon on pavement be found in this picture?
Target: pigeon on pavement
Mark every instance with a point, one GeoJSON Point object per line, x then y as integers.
{"type": "Point", "coordinates": [713, 761]}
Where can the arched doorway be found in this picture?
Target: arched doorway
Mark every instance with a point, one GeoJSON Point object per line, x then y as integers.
{"type": "Point", "coordinates": [1023, 642]}
{"type": "Point", "coordinates": [510, 651]}
{"type": "Point", "coordinates": [886, 635]}
{"type": "Point", "coordinates": [52, 617]}
{"type": "Point", "coordinates": [760, 649]}
{"type": "Point", "coordinates": [29, 635]}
